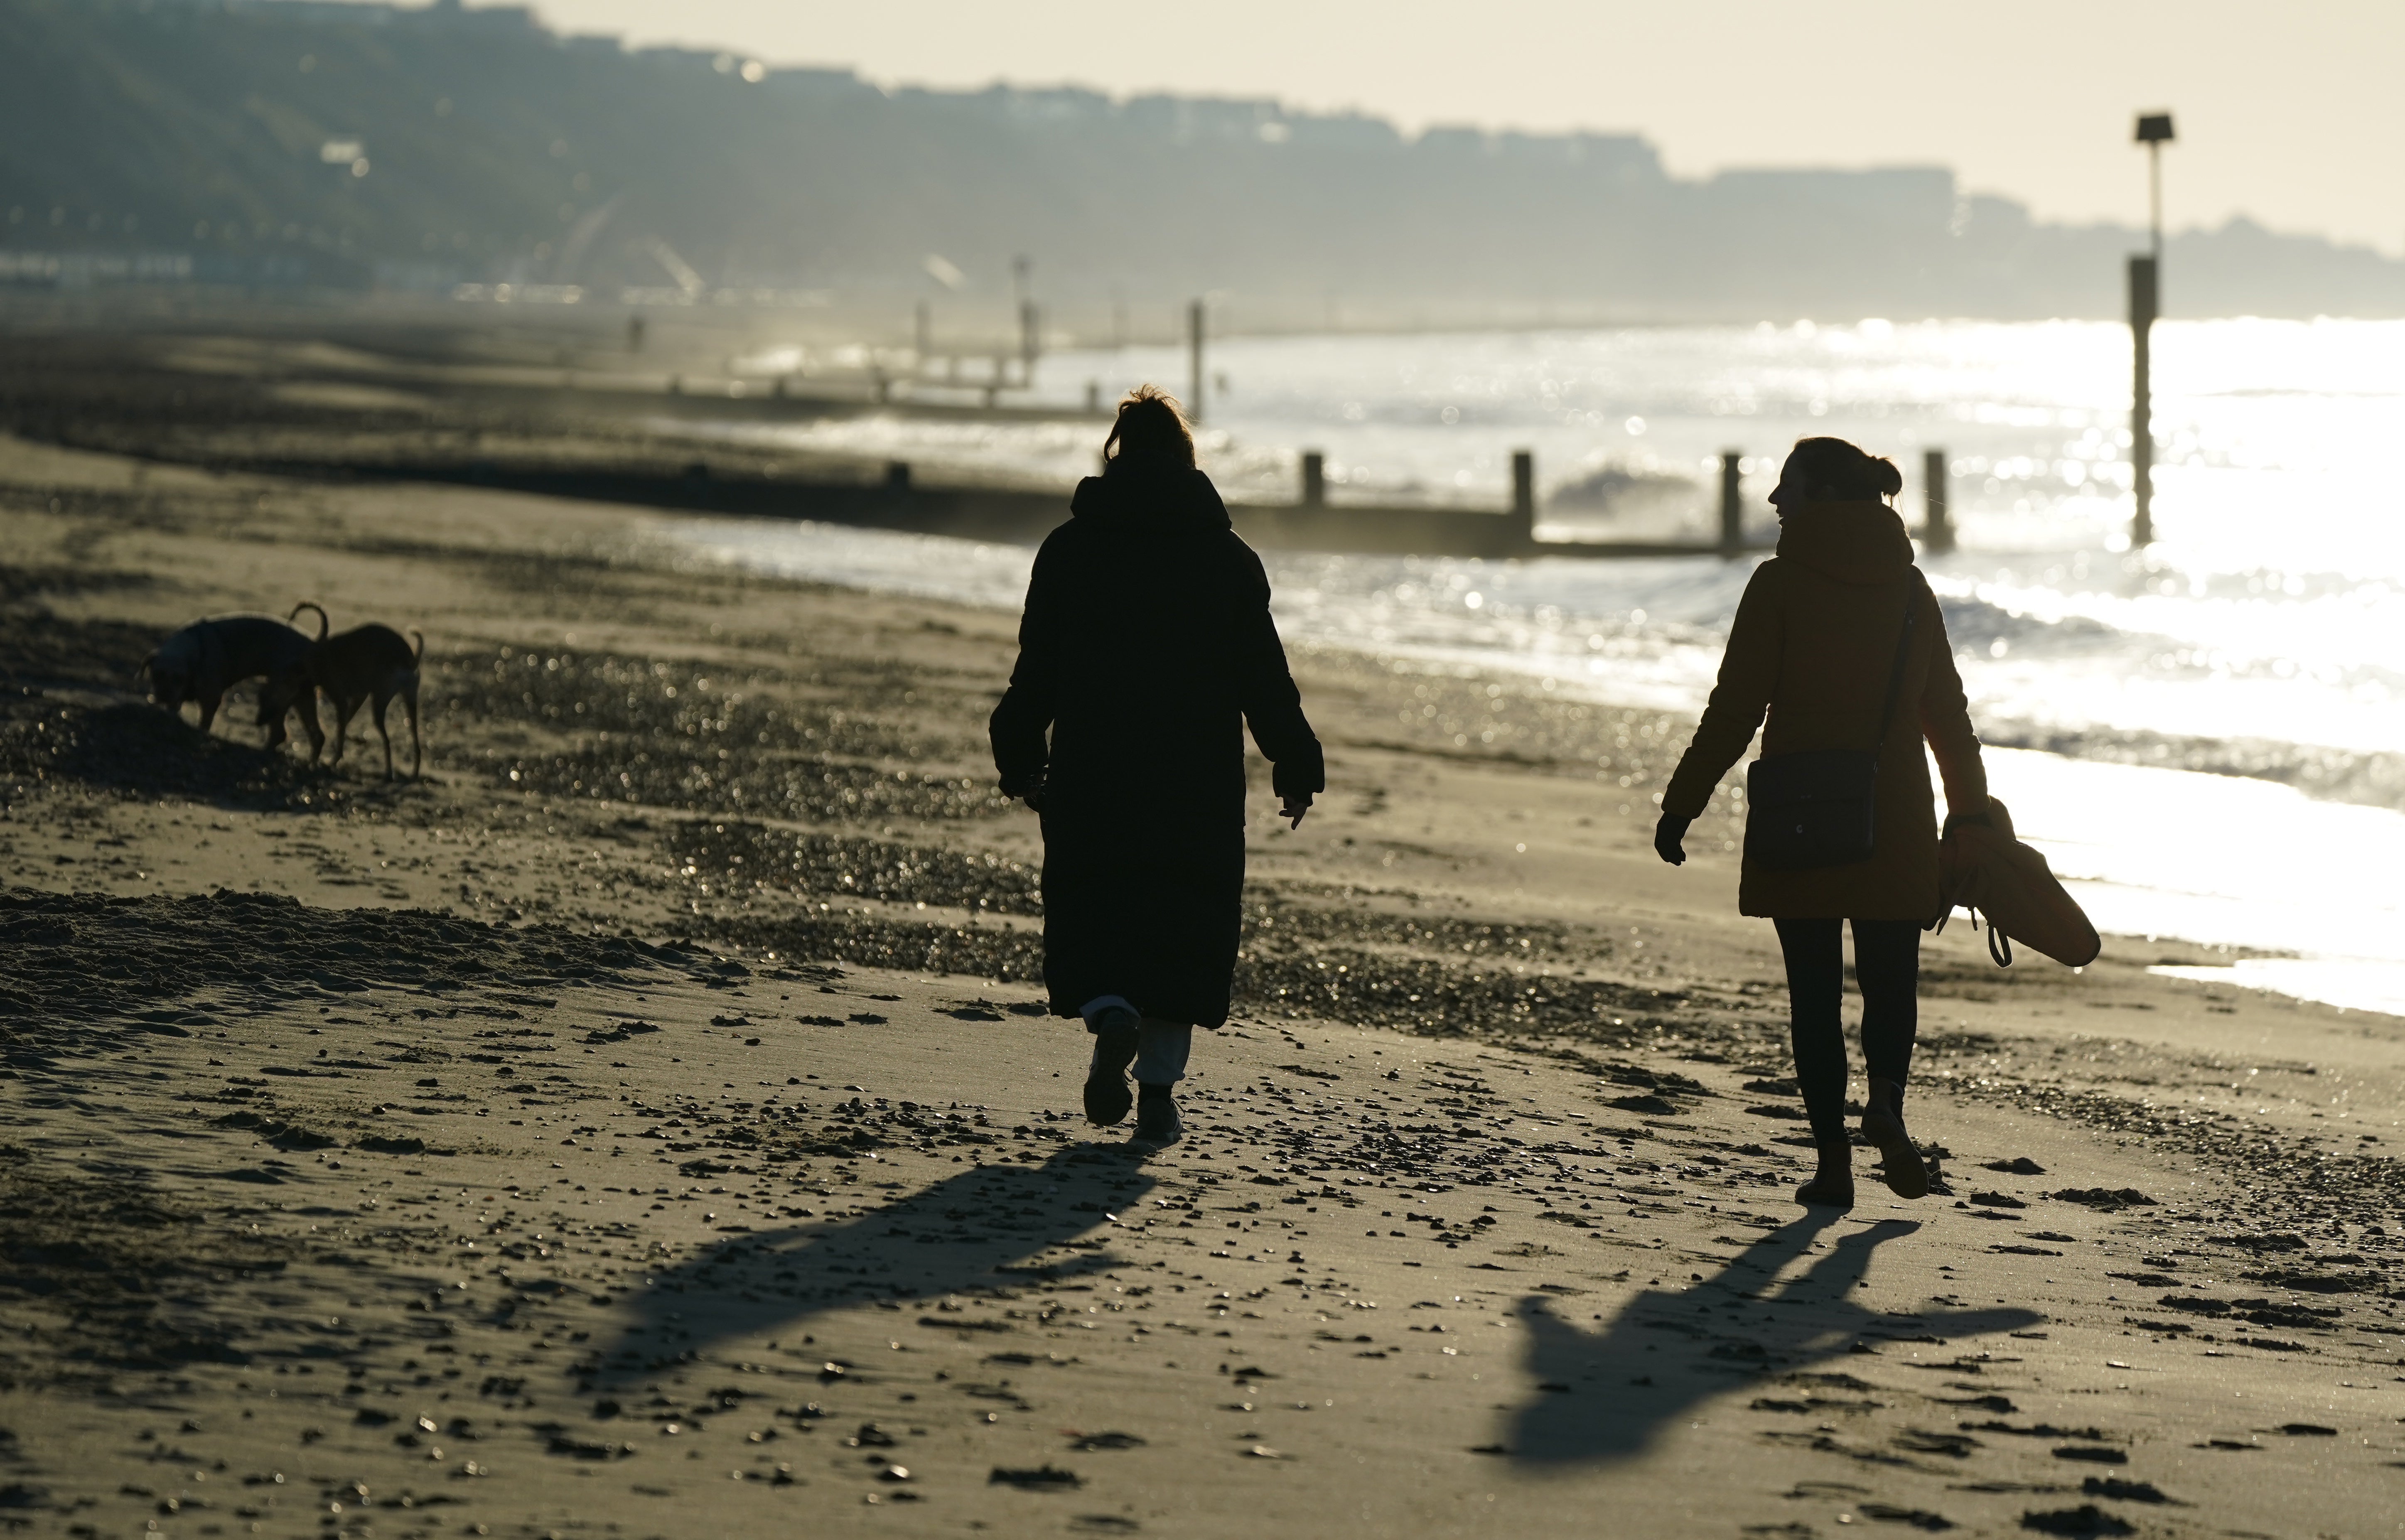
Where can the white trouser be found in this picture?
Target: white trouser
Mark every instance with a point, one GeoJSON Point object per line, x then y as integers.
{"type": "Point", "coordinates": [1161, 1049]}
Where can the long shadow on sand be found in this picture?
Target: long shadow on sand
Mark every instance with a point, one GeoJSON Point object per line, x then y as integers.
{"type": "Point", "coordinates": [1607, 1396]}
{"type": "Point", "coordinates": [141, 749]}
{"type": "Point", "coordinates": [991, 1226]}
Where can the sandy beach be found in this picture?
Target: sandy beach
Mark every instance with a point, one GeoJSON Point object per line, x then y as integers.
{"type": "Point", "coordinates": [375, 1168]}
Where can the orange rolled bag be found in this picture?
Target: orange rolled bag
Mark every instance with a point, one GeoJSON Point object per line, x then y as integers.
{"type": "Point", "coordinates": [1989, 872]}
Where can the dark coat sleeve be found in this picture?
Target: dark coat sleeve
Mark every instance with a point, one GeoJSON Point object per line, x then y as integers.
{"type": "Point", "coordinates": [1021, 723]}
{"type": "Point", "coordinates": [1748, 676]}
{"type": "Point", "coordinates": [1945, 714]}
{"type": "Point", "coordinates": [1273, 705]}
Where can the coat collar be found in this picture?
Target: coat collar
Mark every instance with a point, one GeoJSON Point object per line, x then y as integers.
{"type": "Point", "coordinates": [1131, 496]}
{"type": "Point", "coordinates": [1853, 542]}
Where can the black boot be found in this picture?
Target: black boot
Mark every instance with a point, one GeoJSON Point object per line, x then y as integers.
{"type": "Point", "coordinates": [1107, 1087]}
{"type": "Point", "coordinates": [1832, 1185]}
{"type": "Point", "coordinates": [1907, 1173]}
{"type": "Point", "coordinates": [1156, 1122]}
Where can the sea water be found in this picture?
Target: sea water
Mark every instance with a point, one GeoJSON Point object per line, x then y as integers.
{"type": "Point", "coordinates": [2259, 632]}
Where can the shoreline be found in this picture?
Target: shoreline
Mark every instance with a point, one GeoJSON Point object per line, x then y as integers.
{"type": "Point", "coordinates": [2372, 978]}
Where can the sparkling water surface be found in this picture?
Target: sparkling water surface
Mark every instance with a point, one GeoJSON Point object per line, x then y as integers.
{"type": "Point", "coordinates": [2263, 627]}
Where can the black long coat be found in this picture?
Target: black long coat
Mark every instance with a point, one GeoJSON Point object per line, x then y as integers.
{"type": "Point", "coordinates": [1145, 649]}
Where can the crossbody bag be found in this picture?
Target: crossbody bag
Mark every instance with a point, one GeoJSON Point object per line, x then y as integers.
{"type": "Point", "coordinates": [1821, 807]}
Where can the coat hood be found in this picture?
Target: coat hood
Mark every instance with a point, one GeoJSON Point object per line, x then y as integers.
{"type": "Point", "coordinates": [1162, 499]}
{"type": "Point", "coordinates": [1852, 542]}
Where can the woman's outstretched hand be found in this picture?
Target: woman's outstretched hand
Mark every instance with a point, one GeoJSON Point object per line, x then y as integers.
{"type": "Point", "coordinates": [1667, 837]}
{"type": "Point", "coordinates": [1295, 807]}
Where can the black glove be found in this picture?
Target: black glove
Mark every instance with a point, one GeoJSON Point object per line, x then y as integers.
{"type": "Point", "coordinates": [1301, 775]}
{"type": "Point", "coordinates": [1027, 789]}
{"type": "Point", "coordinates": [1666, 838]}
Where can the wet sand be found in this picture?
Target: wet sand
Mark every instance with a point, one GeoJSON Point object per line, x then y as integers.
{"type": "Point", "coordinates": [651, 1109]}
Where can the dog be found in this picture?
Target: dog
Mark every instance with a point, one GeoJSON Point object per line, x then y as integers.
{"type": "Point", "coordinates": [204, 658]}
{"type": "Point", "coordinates": [370, 663]}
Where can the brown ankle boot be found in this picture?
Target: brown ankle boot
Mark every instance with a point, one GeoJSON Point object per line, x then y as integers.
{"type": "Point", "coordinates": [1832, 1185]}
{"type": "Point", "coordinates": [1906, 1174]}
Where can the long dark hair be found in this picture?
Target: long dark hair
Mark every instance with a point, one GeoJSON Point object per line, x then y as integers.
{"type": "Point", "coordinates": [1839, 469]}
{"type": "Point", "coordinates": [1150, 433]}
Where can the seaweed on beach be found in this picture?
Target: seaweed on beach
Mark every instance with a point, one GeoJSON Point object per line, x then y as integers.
{"type": "Point", "coordinates": [692, 735]}
{"type": "Point", "coordinates": [647, 699]}
{"type": "Point", "coordinates": [738, 857]}
{"type": "Point", "coordinates": [802, 787]}
{"type": "Point", "coordinates": [76, 959]}
{"type": "Point", "coordinates": [1290, 915]}
{"type": "Point", "coordinates": [140, 750]}
{"type": "Point", "coordinates": [1352, 985]}
{"type": "Point", "coordinates": [980, 951]}
{"type": "Point", "coordinates": [735, 858]}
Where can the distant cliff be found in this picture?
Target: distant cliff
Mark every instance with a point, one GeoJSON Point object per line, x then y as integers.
{"type": "Point", "coordinates": [263, 141]}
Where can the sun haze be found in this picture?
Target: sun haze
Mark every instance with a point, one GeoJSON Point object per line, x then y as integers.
{"type": "Point", "coordinates": [2033, 101]}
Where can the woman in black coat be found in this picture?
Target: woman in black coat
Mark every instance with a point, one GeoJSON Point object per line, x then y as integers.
{"type": "Point", "coordinates": [1146, 649]}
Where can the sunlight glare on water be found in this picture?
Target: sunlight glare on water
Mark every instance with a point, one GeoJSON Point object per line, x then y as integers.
{"type": "Point", "coordinates": [2226, 862]}
{"type": "Point", "coordinates": [2264, 626]}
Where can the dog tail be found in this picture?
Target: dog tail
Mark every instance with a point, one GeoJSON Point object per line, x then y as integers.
{"type": "Point", "coordinates": [323, 623]}
{"type": "Point", "coordinates": [419, 656]}
{"type": "Point", "coordinates": [144, 668]}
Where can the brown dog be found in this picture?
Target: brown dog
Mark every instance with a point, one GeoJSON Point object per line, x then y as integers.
{"type": "Point", "coordinates": [201, 661]}
{"type": "Point", "coordinates": [368, 663]}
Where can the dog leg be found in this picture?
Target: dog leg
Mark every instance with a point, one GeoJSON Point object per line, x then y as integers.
{"type": "Point", "coordinates": [342, 710]}
{"type": "Point", "coordinates": [272, 707]}
{"type": "Point", "coordinates": [209, 705]}
{"type": "Point", "coordinates": [383, 700]}
{"type": "Point", "coordinates": [308, 706]}
{"type": "Point", "coordinates": [416, 744]}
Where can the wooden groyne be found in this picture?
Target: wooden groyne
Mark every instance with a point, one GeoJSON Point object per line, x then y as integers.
{"type": "Point", "coordinates": [898, 501]}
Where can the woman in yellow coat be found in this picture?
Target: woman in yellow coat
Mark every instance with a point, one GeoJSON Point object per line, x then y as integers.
{"type": "Point", "coordinates": [1813, 646]}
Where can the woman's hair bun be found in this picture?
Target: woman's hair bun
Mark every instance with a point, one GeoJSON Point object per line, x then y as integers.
{"type": "Point", "coordinates": [1842, 469]}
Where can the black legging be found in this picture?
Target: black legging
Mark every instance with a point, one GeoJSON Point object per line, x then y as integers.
{"type": "Point", "coordinates": [1887, 970]}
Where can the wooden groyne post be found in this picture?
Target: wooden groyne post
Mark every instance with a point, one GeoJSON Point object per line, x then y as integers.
{"type": "Point", "coordinates": [1314, 479]}
{"type": "Point", "coordinates": [2145, 303]}
{"type": "Point", "coordinates": [1732, 503]}
{"type": "Point", "coordinates": [1194, 361]}
{"type": "Point", "coordinates": [1938, 529]}
{"type": "Point", "coordinates": [2144, 295]}
{"type": "Point", "coordinates": [1524, 497]}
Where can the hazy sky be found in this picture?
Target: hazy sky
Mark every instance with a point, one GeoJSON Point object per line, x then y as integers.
{"type": "Point", "coordinates": [2289, 112]}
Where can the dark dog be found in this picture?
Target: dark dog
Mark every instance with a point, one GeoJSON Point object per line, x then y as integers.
{"type": "Point", "coordinates": [204, 658]}
{"type": "Point", "coordinates": [371, 662]}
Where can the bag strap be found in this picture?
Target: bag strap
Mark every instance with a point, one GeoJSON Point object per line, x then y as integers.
{"type": "Point", "coordinates": [1915, 587]}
